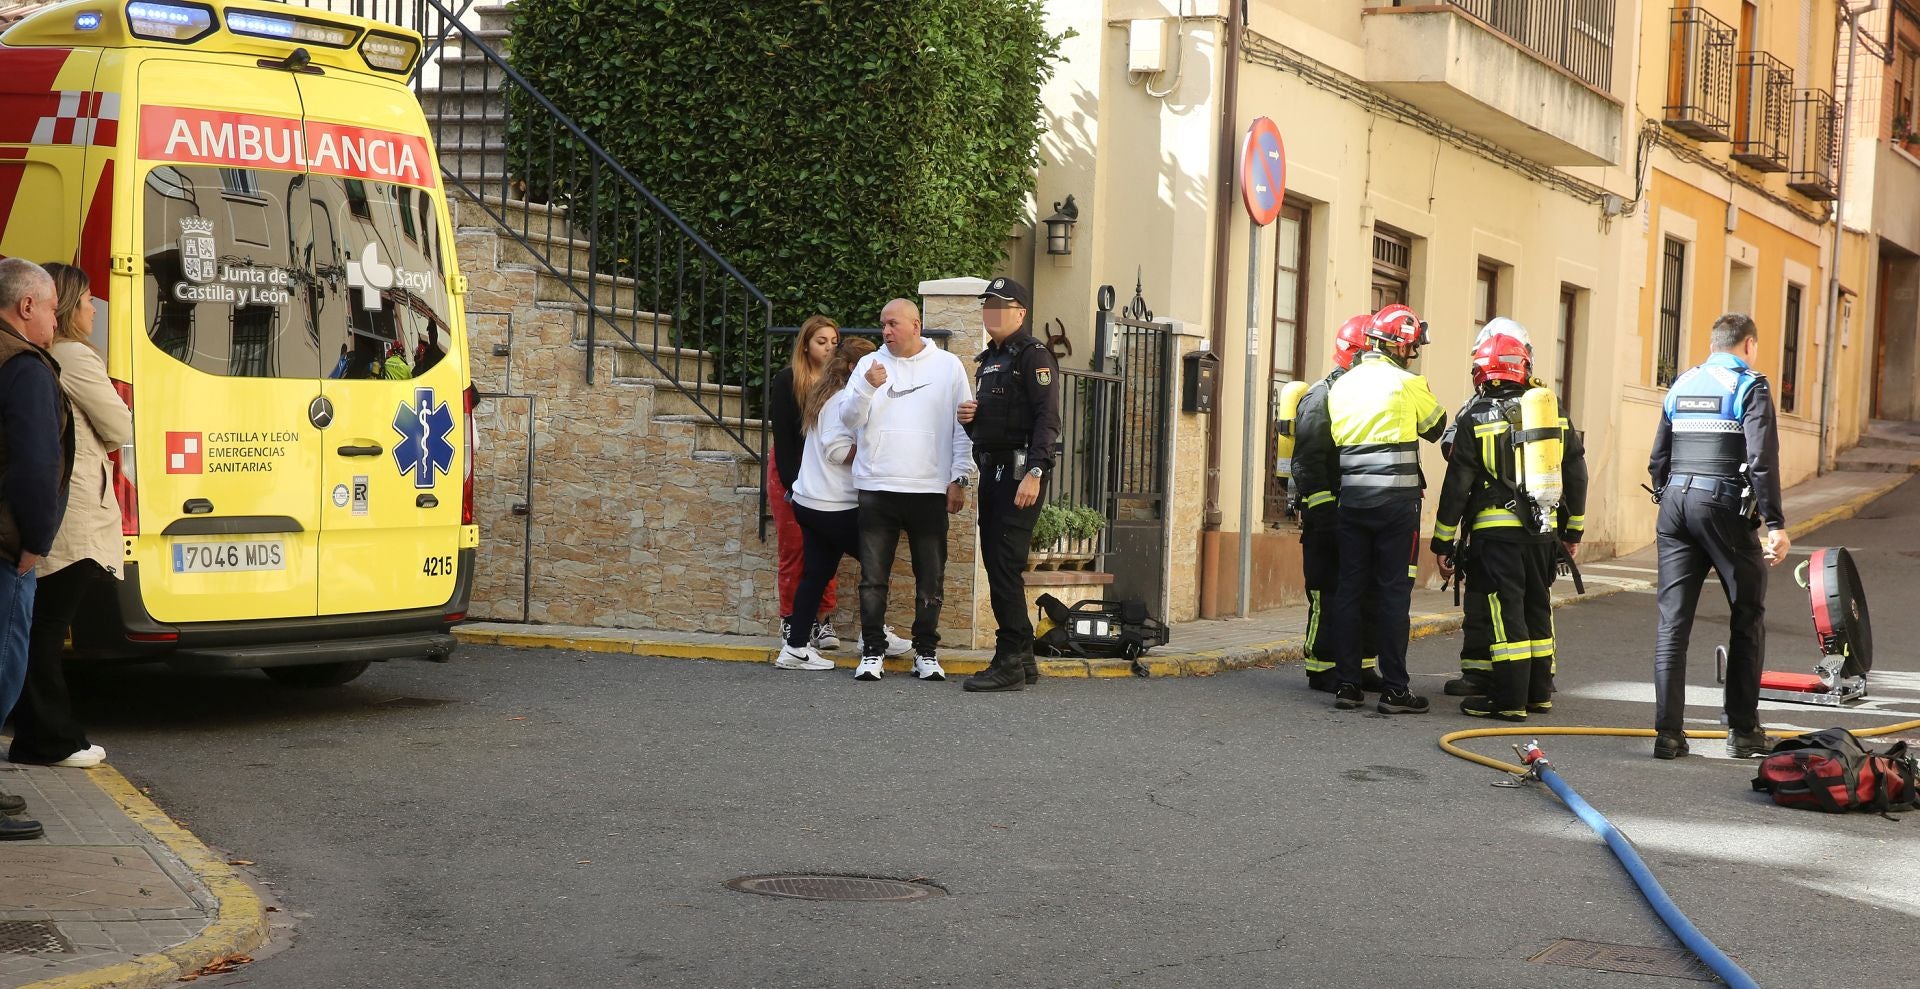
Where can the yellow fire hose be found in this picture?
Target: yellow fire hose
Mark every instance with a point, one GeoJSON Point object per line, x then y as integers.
{"type": "Point", "coordinates": [1447, 741]}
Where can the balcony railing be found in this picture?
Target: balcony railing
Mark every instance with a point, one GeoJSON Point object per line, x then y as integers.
{"type": "Point", "coordinates": [1765, 125]}
{"type": "Point", "coordinates": [1576, 35]}
{"type": "Point", "coordinates": [1700, 75]}
{"type": "Point", "coordinates": [1814, 145]}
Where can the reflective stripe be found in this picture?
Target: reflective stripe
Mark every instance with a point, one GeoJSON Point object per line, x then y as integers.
{"type": "Point", "coordinates": [1445, 533]}
{"type": "Point", "coordinates": [1489, 428]}
{"type": "Point", "coordinates": [1542, 648]}
{"type": "Point", "coordinates": [1380, 480]}
{"type": "Point", "coordinates": [1476, 666]}
{"type": "Point", "coordinates": [1313, 626]}
{"type": "Point", "coordinates": [1378, 457]}
{"type": "Point", "coordinates": [1432, 418]}
{"type": "Point", "coordinates": [1318, 498]}
{"type": "Point", "coordinates": [1576, 523]}
{"type": "Point", "coordinates": [1496, 518]}
{"type": "Point", "coordinates": [1413, 571]}
{"type": "Point", "coordinates": [1691, 425]}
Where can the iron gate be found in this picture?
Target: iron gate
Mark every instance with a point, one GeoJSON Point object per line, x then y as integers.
{"type": "Point", "coordinates": [1139, 351]}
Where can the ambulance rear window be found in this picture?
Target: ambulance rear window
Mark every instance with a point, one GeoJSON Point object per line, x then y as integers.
{"type": "Point", "coordinates": [275, 274]}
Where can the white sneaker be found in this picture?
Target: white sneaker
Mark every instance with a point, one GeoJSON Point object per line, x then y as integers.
{"type": "Point", "coordinates": [824, 636]}
{"type": "Point", "coordinates": [896, 646]}
{"type": "Point", "coordinates": [92, 755]}
{"type": "Point", "coordinates": [869, 669]}
{"type": "Point", "coordinates": [803, 658]}
{"type": "Point", "coordinates": [927, 668]}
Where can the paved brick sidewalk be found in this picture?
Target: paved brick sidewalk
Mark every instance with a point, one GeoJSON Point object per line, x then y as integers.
{"type": "Point", "coordinates": [1199, 648]}
{"type": "Point", "coordinates": [115, 894]}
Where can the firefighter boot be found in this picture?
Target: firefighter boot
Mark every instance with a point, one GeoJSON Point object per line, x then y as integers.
{"type": "Point", "coordinates": [1030, 665]}
{"type": "Point", "coordinates": [1006, 672]}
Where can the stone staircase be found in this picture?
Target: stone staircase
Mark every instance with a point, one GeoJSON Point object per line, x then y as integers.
{"type": "Point", "coordinates": [1886, 445]}
{"type": "Point", "coordinates": [629, 468]}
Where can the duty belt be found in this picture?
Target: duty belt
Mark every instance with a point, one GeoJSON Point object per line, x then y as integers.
{"type": "Point", "coordinates": [1702, 482]}
{"type": "Point", "coordinates": [1000, 458]}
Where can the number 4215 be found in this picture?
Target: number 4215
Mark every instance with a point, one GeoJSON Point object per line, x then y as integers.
{"type": "Point", "coordinates": [437, 566]}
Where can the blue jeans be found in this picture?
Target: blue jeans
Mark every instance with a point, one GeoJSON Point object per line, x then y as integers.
{"type": "Point", "coordinates": [16, 622]}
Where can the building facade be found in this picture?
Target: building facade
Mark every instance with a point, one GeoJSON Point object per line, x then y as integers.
{"type": "Point", "coordinates": [1611, 174]}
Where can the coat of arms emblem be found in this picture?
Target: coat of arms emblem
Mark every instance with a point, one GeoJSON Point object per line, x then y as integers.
{"type": "Point", "coordinates": [199, 256]}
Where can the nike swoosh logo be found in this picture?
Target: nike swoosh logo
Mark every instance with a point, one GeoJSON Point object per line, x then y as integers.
{"type": "Point", "coordinates": [893, 392]}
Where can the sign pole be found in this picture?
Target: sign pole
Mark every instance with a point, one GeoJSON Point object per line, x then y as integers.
{"type": "Point", "coordinates": [1247, 472]}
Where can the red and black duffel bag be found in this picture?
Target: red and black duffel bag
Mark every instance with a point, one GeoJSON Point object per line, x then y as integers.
{"type": "Point", "coordinates": [1833, 771]}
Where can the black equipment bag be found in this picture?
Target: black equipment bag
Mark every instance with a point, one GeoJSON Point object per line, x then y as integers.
{"type": "Point", "coordinates": [1098, 630]}
{"type": "Point", "coordinates": [1832, 771]}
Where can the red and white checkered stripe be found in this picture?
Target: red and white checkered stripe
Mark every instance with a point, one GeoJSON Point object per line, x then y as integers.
{"type": "Point", "coordinates": [83, 117]}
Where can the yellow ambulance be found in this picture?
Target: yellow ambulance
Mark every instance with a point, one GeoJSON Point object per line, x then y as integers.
{"type": "Point", "coordinates": [253, 191]}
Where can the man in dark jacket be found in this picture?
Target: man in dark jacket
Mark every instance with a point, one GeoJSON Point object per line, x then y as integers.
{"type": "Point", "coordinates": [36, 462]}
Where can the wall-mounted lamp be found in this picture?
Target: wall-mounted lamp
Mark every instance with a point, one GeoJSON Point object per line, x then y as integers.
{"type": "Point", "coordinates": [1060, 226]}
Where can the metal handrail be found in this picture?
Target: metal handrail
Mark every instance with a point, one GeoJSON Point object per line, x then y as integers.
{"type": "Point", "coordinates": [534, 172]}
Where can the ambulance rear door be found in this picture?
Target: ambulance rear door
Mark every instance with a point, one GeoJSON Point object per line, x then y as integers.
{"type": "Point", "coordinates": [226, 354]}
{"type": "Point", "coordinates": [395, 456]}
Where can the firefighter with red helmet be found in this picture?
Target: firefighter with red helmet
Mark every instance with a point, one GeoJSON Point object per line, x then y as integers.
{"type": "Point", "coordinates": [1378, 413]}
{"type": "Point", "coordinates": [1520, 513]}
{"type": "Point", "coordinates": [1314, 493]}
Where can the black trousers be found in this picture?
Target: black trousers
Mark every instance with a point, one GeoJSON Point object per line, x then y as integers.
{"type": "Point", "coordinates": [1699, 530]}
{"type": "Point", "coordinates": [827, 537]}
{"type": "Point", "coordinates": [1320, 571]}
{"type": "Point", "coordinates": [1006, 534]}
{"type": "Point", "coordinates": [884, 515]}
{"type": "Point", "coordinates": [1511, 581]}
{"type": "Point", "coordinates": [1379, 549]}
{"type": "Point", "coordinates": [44, 729]}
{"type": "Point", "coordinates": [1476, 619]}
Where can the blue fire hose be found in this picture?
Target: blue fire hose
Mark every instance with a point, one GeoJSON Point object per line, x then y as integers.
{"type": "Point", "coordinates": [1726, 968]}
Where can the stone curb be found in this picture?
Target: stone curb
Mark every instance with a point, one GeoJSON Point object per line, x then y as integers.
{"type": "Point", "coordinates": [239, 926]}
{"type": "Point", "coordinates": [1159, 666]}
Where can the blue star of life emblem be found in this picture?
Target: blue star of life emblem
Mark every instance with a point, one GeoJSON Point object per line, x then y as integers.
{"type": "Point", "coordinates": [424, 447]}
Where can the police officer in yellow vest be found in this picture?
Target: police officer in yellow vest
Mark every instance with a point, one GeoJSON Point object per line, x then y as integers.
{"type": "Point", "coordinates": [1380, 412]}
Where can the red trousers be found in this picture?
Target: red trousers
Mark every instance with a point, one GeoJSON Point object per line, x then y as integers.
{"type": "Point", "coordinates": [787, 533]}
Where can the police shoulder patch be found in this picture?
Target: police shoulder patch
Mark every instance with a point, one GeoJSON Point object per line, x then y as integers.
{"type": "Point", "coordinates": [1044, 375]}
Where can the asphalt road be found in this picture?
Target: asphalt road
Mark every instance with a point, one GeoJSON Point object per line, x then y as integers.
{"type": "Point", "coordinates": [534, 818]}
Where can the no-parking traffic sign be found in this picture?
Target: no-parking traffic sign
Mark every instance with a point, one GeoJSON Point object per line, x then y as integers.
{"type": "Point", "coordinates": [1263, 171]}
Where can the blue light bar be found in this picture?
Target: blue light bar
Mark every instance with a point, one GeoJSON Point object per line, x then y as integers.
{"type": "Point", "coordinates": [167, 21]}
{"type": "Point", "coordinates": [87, 21]}
{"type": "Point", "coordinates": [261, 25]}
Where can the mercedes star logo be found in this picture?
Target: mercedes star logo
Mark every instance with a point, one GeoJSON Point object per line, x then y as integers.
{"type": "Point", "coordinates": [320, 412]}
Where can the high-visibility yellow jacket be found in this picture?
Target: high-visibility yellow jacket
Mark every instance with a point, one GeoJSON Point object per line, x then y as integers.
{"type": "Point", "coordinates": [1380, 413]}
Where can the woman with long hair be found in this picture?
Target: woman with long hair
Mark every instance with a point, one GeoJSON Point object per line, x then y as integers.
{"type": "Point", "coordinates": [825, 504]}
{"type": "Point", "coordinates": [813, 347]}
{"type": "Point", "coordinates": [87, 551]}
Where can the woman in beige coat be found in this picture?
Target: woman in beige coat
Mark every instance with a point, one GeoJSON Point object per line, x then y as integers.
{"type": "Point", "coordinates": [87, 552]}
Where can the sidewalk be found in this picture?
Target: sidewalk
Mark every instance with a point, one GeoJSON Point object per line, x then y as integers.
{"type": "Point", "coordinates": [1199, 648]}
{"type": "Point", "coordinates": [115, 894]}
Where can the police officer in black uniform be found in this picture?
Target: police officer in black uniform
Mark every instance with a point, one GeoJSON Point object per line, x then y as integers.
{"type": "Point", "coordinates": [1715, 468]}
{"type": "Point", "coordinates": [1013, 421]}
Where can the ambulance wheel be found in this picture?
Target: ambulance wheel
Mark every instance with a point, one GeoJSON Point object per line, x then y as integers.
{"type": "Point", "coordinates": [316, 674]}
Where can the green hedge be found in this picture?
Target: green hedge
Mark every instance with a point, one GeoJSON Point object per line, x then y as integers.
{"type": "Point", "coordinates": [836, 151]}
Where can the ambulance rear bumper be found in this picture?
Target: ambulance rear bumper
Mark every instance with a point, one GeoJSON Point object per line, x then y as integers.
{"type": "Point", "coordinates": [119, 628]}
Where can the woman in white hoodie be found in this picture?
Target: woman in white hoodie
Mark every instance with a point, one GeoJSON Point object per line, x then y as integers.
{"type": "Point", "coordinates": [825, 503]}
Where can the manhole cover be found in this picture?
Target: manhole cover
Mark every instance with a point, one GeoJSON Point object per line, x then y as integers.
{"type": "Point", "coordinates": [846, 889]}
{"type": "Point", "coordinates": [1632, 959]}
{"type": "Point", "coordinates": [33, 937]}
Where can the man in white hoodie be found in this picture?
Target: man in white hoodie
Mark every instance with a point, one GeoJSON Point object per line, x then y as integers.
{"type": "Point", "coordinates": [911, 465]}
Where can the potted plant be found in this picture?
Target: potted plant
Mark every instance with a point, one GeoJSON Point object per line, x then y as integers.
{"type": "Point", "coordinates": [1060, 526]}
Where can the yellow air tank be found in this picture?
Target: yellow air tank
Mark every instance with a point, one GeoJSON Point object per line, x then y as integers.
{"type": "Point", "coordinates": [1283, 437]}
{"type": "Point", "coordinates": [1542, 448]}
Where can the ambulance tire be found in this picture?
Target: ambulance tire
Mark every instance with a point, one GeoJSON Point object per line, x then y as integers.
{"type": "Point", "coordinates": [316, 674]}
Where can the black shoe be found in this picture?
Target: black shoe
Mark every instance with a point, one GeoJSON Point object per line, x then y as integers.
{"type": "Point", "coordinates": [1004, 673]}
{"type": "Point", "coordinates": [1467, 685]}
{"type": "Point", "coordinates": [1031, 666]}
{"type": "Point", "coordinates": [1348, 697]}
{"type": "Point", "coordinates": [10, 804]}
{"type": "Point", "coordinates": [19, 829]}
{"type": "Point", "coordinates": [1539, 707]}
{"type": "Point", "coordinates": [1482, 707]}
{"type": "Point", "coordinates": [1371, 682]}
{"type": "Point", "coordinates": [1324, 681]}
{"type": "Point", "coordinates": [1401, 702]}
{"type": "Point", "coordinates": [1749, 743]}
{"type": "Point", "coordinates": [1669, 745]}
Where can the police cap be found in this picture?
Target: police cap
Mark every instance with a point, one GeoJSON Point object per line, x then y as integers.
{"type": "Point", "coordinates": [1008, 289]}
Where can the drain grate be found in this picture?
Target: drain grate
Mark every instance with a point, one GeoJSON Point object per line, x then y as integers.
{"type": "Point", "coordinates": [843, 889]}
{"type": "Point", "coordinates": [1672, 963]}
{"type": "Point", "coordinates": [33, 937]}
